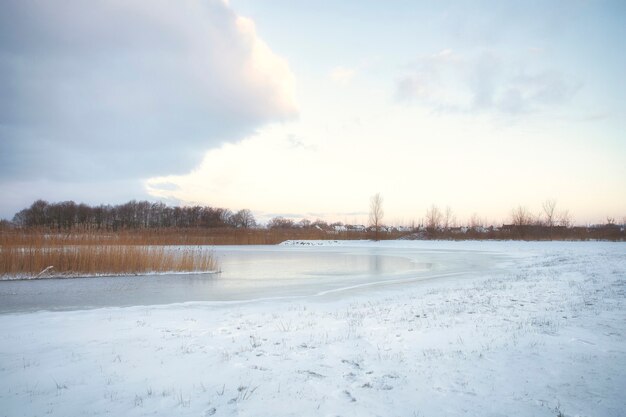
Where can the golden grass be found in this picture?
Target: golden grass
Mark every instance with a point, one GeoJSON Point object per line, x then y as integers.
{"type": "Point", "coordinates": [217, 236]}
{"type": "Point", "coordinates": [30, 261]}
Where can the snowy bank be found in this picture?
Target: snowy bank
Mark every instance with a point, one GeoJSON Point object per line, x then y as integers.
{"type": "Point", "coordinates": [52, 275]}
{"type": "Point", "coordinates": [543, 336]}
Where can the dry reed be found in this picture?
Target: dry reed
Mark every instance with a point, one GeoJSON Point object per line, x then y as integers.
{"type": "Point", "coordinates": [45, 261]}
{"type": "Point", "coordinates": [215, 236]}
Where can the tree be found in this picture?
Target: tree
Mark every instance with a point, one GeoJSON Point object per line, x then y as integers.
{"type": "Point", "coordinates": [243, 219]}
{"type": "Point", "coordinates": [549, 211]}
{"type": "Point", "coordinates": [433, 218]}
{"type": "Point", "coordinates": [448, 218]}
{"type": "Point", "coordinates": [475, 222]}
{"type": "Point", "coordinates": [565, 219]}
{"type": "Point", "coordinates": [520, 216]}
{"type": "Point", "coordinates": [320, 224]}
{"type": "Point", "coordinates": [304, 223]}
{"type": "Point", "coordinates": [280, 223]}
{"type": "Point", "coordinates": [376, 213]}
{"type": "Point", "coordinates": [35, 215]}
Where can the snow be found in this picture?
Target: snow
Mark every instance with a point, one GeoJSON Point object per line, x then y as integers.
{"type": "Point", "coordinates": [48, 274]}
{"type": "Point", "coordinates": [538, 333]}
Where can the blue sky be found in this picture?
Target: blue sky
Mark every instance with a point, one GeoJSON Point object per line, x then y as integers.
{"type": "Point", "coordinates": [308, 108]}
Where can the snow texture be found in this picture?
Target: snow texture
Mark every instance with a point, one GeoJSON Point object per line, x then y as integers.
{"type": "Point", "coordinates": [542, 334]}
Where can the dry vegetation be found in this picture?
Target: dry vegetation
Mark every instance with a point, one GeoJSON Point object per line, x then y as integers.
{"type": "Point", "coordinates": [35, 255]}
{"type": "Point", "coordinates": [170, 236]}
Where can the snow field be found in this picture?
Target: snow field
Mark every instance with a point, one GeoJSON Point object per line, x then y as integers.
{"type": "Point", "coordinates": [543, 336]}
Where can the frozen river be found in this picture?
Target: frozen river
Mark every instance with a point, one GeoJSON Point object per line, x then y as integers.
{"type": "Point", "coordinates": [250, 273]}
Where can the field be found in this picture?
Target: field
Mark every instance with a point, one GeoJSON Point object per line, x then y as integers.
{"type": "Point", "coordinates": [541, 333]}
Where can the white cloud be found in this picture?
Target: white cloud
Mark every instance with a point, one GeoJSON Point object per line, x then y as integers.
{"type": "Point", "coordinates": [483, 81]}
{"type": "Point", "coordinates": [239, 175]}
{"type": "Point", "coordinates": [126, 90]}
{"type": "Point", "coordinates": [266, 71]}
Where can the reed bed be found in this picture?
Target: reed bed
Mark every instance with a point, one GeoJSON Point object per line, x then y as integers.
{"type": "Point", "coordinates": [87, 260]}
{"type": "Point", "coordinates": [171, 236]}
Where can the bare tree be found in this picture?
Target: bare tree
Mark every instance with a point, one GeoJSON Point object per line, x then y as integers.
{"type": "Point", "coordinates": [280, 223]}
{"type": "Point", "coordinates": [433, 218]}
{"type": "Point", "coordinates": [565, 219]}
{"type": "Point", "coordinates": [448, 218]}
{"type": "Point", "coordinates": [549, 211]}
{"type": "Point", "coordinates": [243, 219]}
{"type": "Point", "coordinates": [320, 224]}
{"type": "Point", "coordinates": [520, 216]}
{"type": "Point", "coordinates": [475, 222]}
{"type": "Point", "coordinates": [376, 213]}
{"type": "Point", "coordinates": [304, 224]}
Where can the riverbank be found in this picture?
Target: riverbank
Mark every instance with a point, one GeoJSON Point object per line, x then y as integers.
{"type": "Point", "coordinates": [540, 334]}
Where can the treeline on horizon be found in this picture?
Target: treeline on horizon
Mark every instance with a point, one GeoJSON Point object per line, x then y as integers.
{"type": "Point", "coordinates": [437, 224]}
{"type": "Point", "coordinates": [131, 215]}
{"type": "Point", "coordinates": [134, 214]}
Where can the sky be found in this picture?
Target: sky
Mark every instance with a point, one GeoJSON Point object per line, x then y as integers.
{"type": "Point", "coordinates": [306, 109]}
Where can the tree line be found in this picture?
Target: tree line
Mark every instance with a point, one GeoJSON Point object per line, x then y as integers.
{"type": "Point", "coordinates": [130, 215]}
{"type": "Point", "coordinates": [547, 224]}
{"type": "Point", "coordinates": [550, 223]}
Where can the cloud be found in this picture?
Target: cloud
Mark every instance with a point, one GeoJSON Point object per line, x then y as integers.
{"type": "Point", "coordinates": [279, 169]}
{"type": "Point", "coordinates": [483, 81]}
{"type": "Point", "coordinates": [127, 90]}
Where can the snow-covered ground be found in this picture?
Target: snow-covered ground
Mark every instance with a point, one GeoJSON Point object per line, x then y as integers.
{"type": "Point", "coordinates": [540, 333]}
